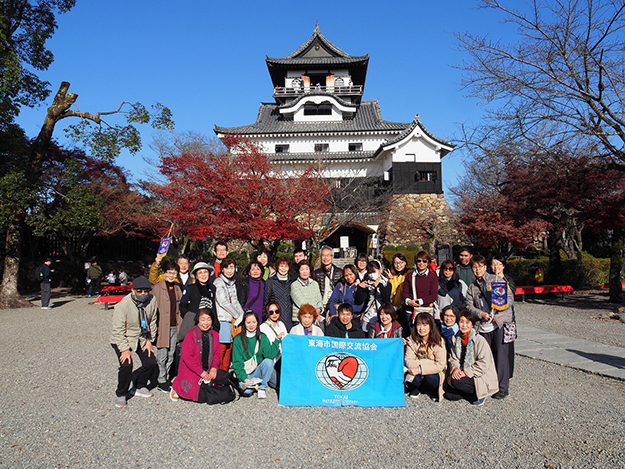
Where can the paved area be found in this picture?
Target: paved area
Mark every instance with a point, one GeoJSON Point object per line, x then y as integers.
{"type": "Point", "coordinates": [585, 355]}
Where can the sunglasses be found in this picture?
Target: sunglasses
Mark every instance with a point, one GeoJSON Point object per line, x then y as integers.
{"type": "Point", "coordinates": [273, 311]}
{"type": "Point", "coordinates": [142, 290]}
{"type": "Point", "coordinates": [422, 261]}
{"type": "Point", "coordinates": [448, 268]}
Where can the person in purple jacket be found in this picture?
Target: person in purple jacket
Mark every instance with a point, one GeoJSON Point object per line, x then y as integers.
{"type": "Point", "coordinates": [345, 291]}
{"type": "Point", "coordinates": [199, 361]}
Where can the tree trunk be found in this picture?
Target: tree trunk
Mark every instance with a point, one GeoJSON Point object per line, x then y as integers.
{"type": "Point", "coordinates": [9, 295]}
{"type": "Point", "coordinates": [616, 265]}
{"type": "Point", "coordinates": [554, 271]}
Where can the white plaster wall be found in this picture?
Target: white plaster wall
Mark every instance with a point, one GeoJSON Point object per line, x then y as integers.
{"type": "Point", "coordinates": [336, 143]}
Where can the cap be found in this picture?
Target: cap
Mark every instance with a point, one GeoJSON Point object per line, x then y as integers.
{"type": "Point", "coordinates": [141, 283]}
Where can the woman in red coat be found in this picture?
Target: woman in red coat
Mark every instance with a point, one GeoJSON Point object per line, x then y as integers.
{"type": "Point", "coordinates": [199, 360]}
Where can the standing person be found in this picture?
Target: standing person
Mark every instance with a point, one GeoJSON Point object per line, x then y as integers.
{"type": "Point", "coordinates": [396, 275]}
{"type": "Point", "coordinates": [426, 358]}
{"type": "Point", "coordinates": [168, 295]}
{"type": "Point", "coordinates": [451, 290]}
{"type": "Point", "coordinates": [94, 275]}
{"type": "Point", "coordinates": [420, 288]}
{"type": "Point", "coordinates": [498, 265]}
{"type": "Point", "coordinates": [184, 278]}
{"type": "Point", "coordinates": [490, 300]}
{"type": "Point", "coordinates": [472, 368]}
{"type": "Point", "coordinates": [134, 330]}
{"type": "Point", "coordinates": [299, 255]}
{"type": "Point", "coordinates": [374, 291]}
{"type": "Point", "coordinates": [199, 295]}
{"type": "Point", "coordinates": [252, 357]}
{"type": "Point", "coordinates": [347, 326]}
{"type": "Point", "coordinates": [278, 290]}
{"type": "Point", "coordinates": [345, 292]}
{"type": "Point", "coordinates": [45, 284]}
{"type": "Point", "coordinates": [361, 264]}
{"type": "Point", "coordinates": [464, 269]}
{"type": "Point", "coordinates": [221, 252]}
{"type": "Point", "coordinates": [262, 257]}
{"type": "Point", "coordinates": [434, 264]}
{"type": "Point", "coordinates": [327, 276]}
{"type": "Point", "coordinates": [305, 290]}
{"type": "Point", "coordinates": [123, 277]}
{"type": "Point", "coordinates": [252, 290]}
{"type": "Point", "coordinates": [228, 308]}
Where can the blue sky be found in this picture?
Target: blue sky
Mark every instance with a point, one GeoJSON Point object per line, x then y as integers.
{"type": "Point", "coordinates": [206, 60]}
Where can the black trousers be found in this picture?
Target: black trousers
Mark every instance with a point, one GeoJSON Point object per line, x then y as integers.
{"type": "Point", "coordinates": [501, 355]}
{"type": "Point", "coordinates": [463, 387]}
{"type": "Point", "coordinates": [124, 375]}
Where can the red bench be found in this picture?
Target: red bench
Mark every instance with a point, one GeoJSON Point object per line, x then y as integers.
{"type": "Point", "coordinates": [106, 299]}
{"type": "Point", "coordinates": [535, 289]}
{"type": "Point", "coordinates": [607, 285]}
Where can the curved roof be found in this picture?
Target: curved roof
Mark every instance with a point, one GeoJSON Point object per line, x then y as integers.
{"type": "Point", "coordinates": [368, 118]}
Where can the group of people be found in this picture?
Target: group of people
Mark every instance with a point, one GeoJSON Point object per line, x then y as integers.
{"type": "Point", "coordinates": [217, 323]}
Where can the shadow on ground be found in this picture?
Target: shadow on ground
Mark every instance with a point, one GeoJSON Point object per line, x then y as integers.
{"type": "Point", "coordinates": [617, 362]}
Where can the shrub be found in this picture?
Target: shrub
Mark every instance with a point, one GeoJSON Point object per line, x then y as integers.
{"type": "Point", "coordinates": [412, 247]}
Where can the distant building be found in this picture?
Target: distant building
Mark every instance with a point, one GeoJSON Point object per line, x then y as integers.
{"type": "Point", "coordinates": [319, 117]}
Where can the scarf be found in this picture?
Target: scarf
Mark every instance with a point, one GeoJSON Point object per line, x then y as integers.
{"type": "Point", "coordinates": [284, 278]}
{"type": "Point", "coordinates": [207, 349]}
{"type": "Point", "coordinates": [469, 354]}
{"type": "Point", "coordinates": [206, 296]}
{"type": "Point", "coordinates": [143, 317]}
{"type": "Point", "coordinates": [446, 285]}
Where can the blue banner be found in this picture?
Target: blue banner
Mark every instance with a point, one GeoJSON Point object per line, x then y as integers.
{"type": "Point", "coordinates": [164, 246]}
{"type": "Point", "coordinates": [326, 371]}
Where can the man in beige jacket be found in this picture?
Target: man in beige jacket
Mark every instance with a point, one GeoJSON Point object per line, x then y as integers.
{"type": "Point", "coordinates": [134, 330]}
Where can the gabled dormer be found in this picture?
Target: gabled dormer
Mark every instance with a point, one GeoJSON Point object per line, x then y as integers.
{"type": "Point", "coordinates": [318, 66]}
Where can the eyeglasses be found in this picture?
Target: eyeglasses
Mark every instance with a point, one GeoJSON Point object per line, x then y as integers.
{"type": "Point", "coordinates": [422, 261]}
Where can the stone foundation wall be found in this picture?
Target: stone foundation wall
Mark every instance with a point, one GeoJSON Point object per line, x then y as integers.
{"type": "Point", "coordinates": [421, 219]}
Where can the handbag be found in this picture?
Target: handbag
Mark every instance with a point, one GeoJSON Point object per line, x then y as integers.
{"type": "Point", "coordinates": [509, 333]}
{"type": "Point", "coordinates": [219, 391]}
{"type": "Point", "coordinates": [252, 363]}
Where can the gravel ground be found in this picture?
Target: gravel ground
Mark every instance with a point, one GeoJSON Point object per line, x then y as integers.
{"type": "Point", "coordinates": [583, 316]}
{"type": "Point", "coordinates": [59, 376]}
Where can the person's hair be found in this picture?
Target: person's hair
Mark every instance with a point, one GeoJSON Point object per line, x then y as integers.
{"type": "Point", "coordinates": [361, 255]}
{"type": "Point", "coordinates": [441, 275]}
{"type": "Point", "coordinates": [372, 266]}
{"type": "Point", "coordinates": [171, 266]}
{"type": "Point", "coordinates": [500, 258]}
{"type": "Point", "coordinates": [266, 310]}
{"type": "Point", "coordinates": [401, 257]}
{"type": "Point", "coordinates": [465, 248]}
{"type": "Point", "coordinates": [435, 336]}
{"type": "Point", "coordinates": [260, 252]}
{"type": "Point", "coordinates": [352, 268]}
{"type": "Point", "coordinates": [344, 307]}
{"type": "Point", "coordinates": [478, 259]}
{"type": "Point", "coordinates": [227, 262]}
{"type": "Point", "coordinates": [302, 263]}
{"type": "Point", "coordinates": [221, 243]}
{"type": "Point", "coordinates": [298, 250]}
{"type": "Point", "coordinates": [282, 260]}
{"type": "Point", "coordinates": [249, 267]}
{"type": "Point", "coordinates": [465, 313]}
{"type": "Point", "coordinates": [307, 308]}
{"type": "Point", "coordinates": [389, 309]}
{"type": "Point", "coordinates": [204, 311]}
{"type": "Point", "coordinates": [453, 308]}
{"type": "Point", "coordinates": [423, 255]}
{"type": "Point", "coordinates": [243, 334]}
{"type": "Point", "coordinates": [182, 256]}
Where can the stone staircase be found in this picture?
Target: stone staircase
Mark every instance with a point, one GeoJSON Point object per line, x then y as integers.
{"type": "Point", "coordinates": [343, 261]}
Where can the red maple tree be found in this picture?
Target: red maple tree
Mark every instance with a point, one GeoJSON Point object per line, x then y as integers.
{"type": "Point", "coordinates": [239, 194]}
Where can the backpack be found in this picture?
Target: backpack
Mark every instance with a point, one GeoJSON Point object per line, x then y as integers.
{"type": "Point", "coordinates": [38, 274]}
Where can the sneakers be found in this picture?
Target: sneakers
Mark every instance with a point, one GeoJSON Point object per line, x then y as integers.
{"type": "Point", "coordinates": [120, 402]}
{"type": "Point", "coordinates": [143, 392]}
{"type": "Point", "coordinates": [262, 394]}
{"type": "Point", "coordinates": [414, 394]}
{"type": "Point", "coordinates": [165, 387]}
{"type": "Point", "coordinates": [173, 395]}
{"type": "Point", "coordinates": [478, 402]}
{"type": "Point", "coordinates": [500, 395]}
{"type": "Point", "coordinates": [248, 393]}
{"type": "Point", "coordinates": [46, 307]}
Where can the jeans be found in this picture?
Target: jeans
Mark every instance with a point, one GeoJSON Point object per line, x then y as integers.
{"type": "Point", "coordinates": [45, 294]}
{"type": "Point", "coordinates": [165, 356]}
{"type": "Point", "coordinates": [426, 383]}
{"type": "Point", "coordinates": [124, 375]}
{"type": "Point", "coordinates": [263, 371]}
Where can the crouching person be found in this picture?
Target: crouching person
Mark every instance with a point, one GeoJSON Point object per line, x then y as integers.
{"type": "Point", "coordinates": [199, 361]}
{"type": "Point", "coordinates": [473, 375]}
{"type": "Point", "coordinates": [134, 330]}
{"type": "Point", "coordinates": [252, 357]}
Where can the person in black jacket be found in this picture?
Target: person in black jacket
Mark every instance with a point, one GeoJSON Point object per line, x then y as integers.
{"type": "Point", "coordinates": [199, 294]}
{"type": "Point", "coordinates": [346, 326]}
{"type": "Point", "coordinates": [327, 276]}
{"type": "Point", "coordinates": [278, 289]}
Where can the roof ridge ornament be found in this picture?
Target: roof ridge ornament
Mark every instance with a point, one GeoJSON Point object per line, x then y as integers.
{"type": "Point", "coordinates": [317, 29]}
